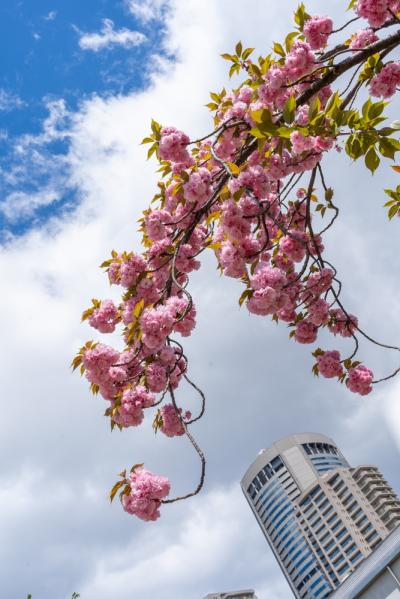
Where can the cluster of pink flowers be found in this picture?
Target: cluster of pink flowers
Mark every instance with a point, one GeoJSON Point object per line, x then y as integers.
{"type": "Point", "coordinates": [171, 420]}
{"type": "Point", "coordinates": [130, 411]}
{"type": "Point", "coordinates": [100, 370]}
{"type": "Point", "coordinates": [173, 146]}
{"type": "Point", "coordinates": [329, 364]}
{"type": "Point", "coordinates": [360, 380]}
{"type": "Point", "coordinates": [125, 270]}
{"type": "Point", "coordinates": [377, 12]}
{"type": "Point", "coordinates": [317, 30]}
{"type": "Point", "coordinates": [146, 492]}
{"type": "Point", "coordinates": [363, 38]}
{"type": "Point", "coordinates": [384, 84]}
{"type": "Point", "coordinates": [105, 317]}
{"type": "Point", "coordinates": [158, 323]}
{"type": "Point", "coordinates": [342, 324]}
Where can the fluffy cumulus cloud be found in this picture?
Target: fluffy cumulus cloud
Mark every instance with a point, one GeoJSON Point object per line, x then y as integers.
{"type": "Point", "coordinates": [20, 205]}
{"type": "Point", "coordinates": [59, 533]}
{"type": "Point", "coordinates": [147, 10]}
{"type": "Point", "coordinates": [108, 37]}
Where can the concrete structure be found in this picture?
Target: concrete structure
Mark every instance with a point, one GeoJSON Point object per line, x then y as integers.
{"type": "Point", "coordinates": [246, 594]}
{"type": "Point", "coordinates": [378, 576]}
{"type": "Point", "coordinates": [321, 518]}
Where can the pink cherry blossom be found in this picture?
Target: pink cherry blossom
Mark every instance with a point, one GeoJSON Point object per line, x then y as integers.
{"type": "Point", "coordinates": [376, 12]}
{"type": "Point", "coordinates": [305, 332]}
{"type": "Point", "coordinates": [299, 61]}
{"type": "Point", "coordinates": [341, 324]}
{"type": "Point", "coordinates": [360, 379]}
{"type": "Point", "coordinates": [130, 411]}
{"type": "Point", "coordinates": [105, 317]}
{"type": "Point", "coordinates": [329, 364]}
{"type": "Point", "coordinates": [317, 30]}
{"type": "Point", "coordinates": [318, 312]}
{"type": "Point", "coordinates": [384, 83]}
{"type": "Point", "coordinates": [171, 422]}
{"type": "Point", "coordinates": [147, 491]}
{"type": "Point", "coordinates": [197, 189]}
{"type": "Point", "coordinates": [363, 38]}
{"type": "Point", "coordinates": [173, 145]}
{"type": "Point", "coordinates": [131, 267]}
{"type": "Point", "coordinates": [156, 377]}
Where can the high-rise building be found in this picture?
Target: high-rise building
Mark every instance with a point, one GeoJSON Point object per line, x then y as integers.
{"type": "Point", "coordinates": [246, 594]}
{"type": "Point", "coordinates": [321, 517]}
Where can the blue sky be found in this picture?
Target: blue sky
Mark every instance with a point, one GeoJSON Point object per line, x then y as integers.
{"type": "Point", "coordinates": [39, 43]}
{"type": "Point", "coordinates": [43, 62]}
{"type": "Point", "coordinates": [74, 181]}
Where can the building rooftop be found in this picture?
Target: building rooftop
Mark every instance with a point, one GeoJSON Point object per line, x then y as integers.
{"type": "Point", "coordinates": [245, 594]}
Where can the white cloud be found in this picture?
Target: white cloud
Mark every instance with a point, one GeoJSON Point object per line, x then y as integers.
{"type": "Point", "coordinates": [50, 16]}
{"type": "Point", "coordinates": [147, 10]}
{"type": "Point", "coordinates": [108, 37]}
{"type": "Point", "coordinates": [9, 101]}
{"type": "Point", "coordinates": [20, 205]}
{"type": "Point", "coordinates": [257, 383]}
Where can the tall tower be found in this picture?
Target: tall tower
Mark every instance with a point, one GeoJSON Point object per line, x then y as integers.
{"type": "Point", "coordinates": [320, 516]}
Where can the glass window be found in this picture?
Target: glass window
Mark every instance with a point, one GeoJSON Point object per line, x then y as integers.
{"type": "Point", "coordinates": [343, 569]}
{"type": "Point", "coordinates": [356, 557]}
{"type": "Point", "coordinates": [276, 464]}
{"type": "Point", "coordinates": [337, 525]}
{"type": "Point", "coordinates": [339, 561]}
{"type": "Point", "coordinates": [262, 477]}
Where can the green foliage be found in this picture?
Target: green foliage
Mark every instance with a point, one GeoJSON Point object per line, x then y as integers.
{"type": "Point", "coordinates": [393, 204]}
{"type": "Point", "coordinates": [300, 16]}
{"type": "Point", "coordinates": [238, 59]}
{"type": "Point", "coordinates": [73, 596]}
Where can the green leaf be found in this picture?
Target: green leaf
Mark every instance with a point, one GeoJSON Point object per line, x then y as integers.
{"type": "Point", "coordinates": [284, 132]}
{"type": "Point", "coordinates": [247, 52]}
{"type": "Point", "coordinates": [289, 39]}
{"type": "Point", "coordinates": [247, 293]}
{"type": "Point", "coordinates": [389, 147]}
{"type": "Point", "coordinates": [138, 309]}
{"type": "Point", "coordinates": [372, 160]}
{"type": "Point", "coordinates": [333, 102]}
{"type": "Point", "coordinates": [116, 488]}
{"type": "Point", "coordinates": [376, 109]}
{"type": "Point", "coordinates": [151, 151]}
{"type": "Point", "coordinates": [289, 109]}
{"type": "Point", "coordinates": [278, 49]}
{"type": "Point", "coordinates": [239, 48]}
{"type": "Point", "coordinates": [300, 16]}
{"type": "Point", "coordinates": [259, 115]}
{"type": "Point", "coordinates": [365, 109]}
{"type": "Point", "coordinates": [393, 211]}
{"type": "Point", "coordinates": [235, 68]}
{"type": "Point", "coordinates": [156, 128]}
{"type": "Point", "coordinates": [136, 466]}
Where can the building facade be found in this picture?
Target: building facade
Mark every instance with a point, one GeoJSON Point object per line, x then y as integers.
{"type": "Point", "coordinates": [378, 576]}
{"type": "Point", "coordinates": [320, 516]}
{"type": "Point", "coordinates": [246, 594]}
